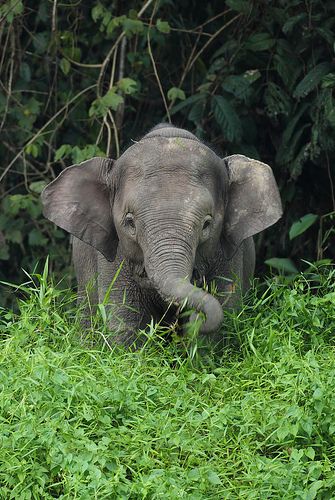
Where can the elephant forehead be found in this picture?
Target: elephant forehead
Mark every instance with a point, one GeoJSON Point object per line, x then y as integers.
{"type": "Point", "coordinates": [159, 152]}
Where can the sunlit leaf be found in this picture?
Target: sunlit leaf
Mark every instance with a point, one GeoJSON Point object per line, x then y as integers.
{"type": "Point", "coordinates": [163, 26]}
{"type": "Point", "coordinates": [176, 93]}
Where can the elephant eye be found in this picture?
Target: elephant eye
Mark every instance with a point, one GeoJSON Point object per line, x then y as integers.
{"type": "Point", "coordinates": [207, 222]}
{"type": "Point", "coordinates": [129, 221]}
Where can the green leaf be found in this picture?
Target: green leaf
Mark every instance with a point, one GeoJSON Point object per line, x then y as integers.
{"type": "Point", "coordinates": [176, 93]}
{"type": "Point", "coordinates": [243, 6]}
{"type": "Point", "coordinates": [189, 100]}
{"type": "Point", "coordinates": [328, 81]}
{"type": "Point", "coordinates": [72, 53]}
{"type": "Point", "coordinates": [36, 238]}
{"type": "Point", "coordinates": [213, 477]}
{"type": "Point", "coordinates": [282, 265]}
{"type": "Point", "coordinates": [14, 235]}
{"type": "Point", "coordinates": [4, 252]}
{"type": "Point", "coordinates": [132, 26]}
{"type": "Point", "coordinates": [112, 99]}
{"type": "Point", "coordinates": [311, 80]}
{"type": "Point", "coordinates": [327, 34]}
{"type": "Point", "coordinates": [310, 453]}
{"type": "Point", "coordinates": [79, 155]}
{"type": "Point", "coordinates": [296, 165]}
{"type": "Point", "coordinates": [114, 23]}
{"type": "Point", "coordinates": [100, 106]}
{"type": "Point", "coordinates": [10, 9]}
{"type": "Point", "coordinates": [127, 85]}
{"type": "Point", "coordinates": [292, 21]}
{"type": "Point", "coordinates": [97, 12]}
{"type": "Point", "coordinates": [194, 474]}
{"type": "Point", "coordinates": [294, 129]}
{"type": "Point", "coordinates": [301, 225]}
{"type": "Point", "coordinates": [313, 490]}
{"type": "Point", "coordinates": [12, 204]}
{"type": "Point", "coordinates": [163, 26]}
{"type": "Point", "coordinates": [196, 113]}
{"type": "Point", "coordinates": [41, 41]}
{"type": "Point", "coordinates": [37, 187]}
{"type": "Point", "coordinates": [63, 151]}
{"type": "Point", "coordinates": [276, 100]}
{"type": "Point", "coordinates": [65, 65]}
{"type": "Point", "coordinates": [106, 18]}
{"type": "Point", "coordinates": [259, 41]}
{"type": "Point", "coordinates": [238, 86]}
{"type": "Point", "coordinates": [25, 72]}
{"type": "Point", "coordinates": [32, 149]}
{"type": "Point", "coordinates": [227, 118]}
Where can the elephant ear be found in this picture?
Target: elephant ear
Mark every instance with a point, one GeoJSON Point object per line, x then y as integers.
{"type": "Point", "coordinates": [253, 198]}
{"type": "Point", "coordinates": [78, 200]}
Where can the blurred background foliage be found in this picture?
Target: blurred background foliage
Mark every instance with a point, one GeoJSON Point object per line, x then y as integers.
{"type": "Point", "coordinates": [80, 79]}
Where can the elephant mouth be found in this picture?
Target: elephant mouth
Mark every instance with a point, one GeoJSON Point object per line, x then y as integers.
{"type": "Point", "coordinates": [197, 278]}
{"type": "Point", "coordinates": [141, 277]}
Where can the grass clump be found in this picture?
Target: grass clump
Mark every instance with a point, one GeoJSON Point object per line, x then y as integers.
{"type": "Point", "coordinates": [253, 421]}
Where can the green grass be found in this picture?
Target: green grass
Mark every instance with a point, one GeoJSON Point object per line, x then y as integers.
{"type": "Point", "coordinates": [254, 421]}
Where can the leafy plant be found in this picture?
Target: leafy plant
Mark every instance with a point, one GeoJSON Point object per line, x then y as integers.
{"type": "Point", "coordinates": [84, 80]}
{"type": "Point", "coordinates": [252, 421]}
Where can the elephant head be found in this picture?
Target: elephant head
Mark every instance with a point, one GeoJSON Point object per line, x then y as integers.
{"type": "Point", "coordinates": [165, 206]}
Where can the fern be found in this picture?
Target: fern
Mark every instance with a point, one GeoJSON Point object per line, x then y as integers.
{"type": "Point", "coordinates": [227, 118]}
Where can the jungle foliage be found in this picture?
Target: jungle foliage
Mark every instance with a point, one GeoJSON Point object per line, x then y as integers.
{"type": "Point", "coordinates": [86, 78]}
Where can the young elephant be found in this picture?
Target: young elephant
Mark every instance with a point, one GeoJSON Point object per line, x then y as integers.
{"type": "Point", "coordinates": [170, 212]}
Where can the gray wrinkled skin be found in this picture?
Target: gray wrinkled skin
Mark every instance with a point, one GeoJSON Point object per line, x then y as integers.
{"type": "Point", "coordinates": [171, 213]}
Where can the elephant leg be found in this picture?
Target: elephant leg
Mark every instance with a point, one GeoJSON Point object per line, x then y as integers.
{"type": "Point", "coordinates": [85, 265]}
{"type": "Point", "coordinates": [126, 306]}
{"type": "Point", "coordinates": [249, 258]}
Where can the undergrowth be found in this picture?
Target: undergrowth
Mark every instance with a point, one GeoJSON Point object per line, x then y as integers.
{"type": "Point", "coordinates": [255, 420]}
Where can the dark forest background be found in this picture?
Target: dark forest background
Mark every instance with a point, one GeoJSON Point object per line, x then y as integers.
{"type": "Point", "coordinates": [80, 79]}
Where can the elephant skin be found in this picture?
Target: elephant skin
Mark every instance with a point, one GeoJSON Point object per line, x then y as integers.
{"type": "Point", "coordinates": [168, 215]}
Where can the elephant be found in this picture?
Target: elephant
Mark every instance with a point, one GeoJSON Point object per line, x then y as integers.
{"type": "Point", "coordinates": [166, 217]}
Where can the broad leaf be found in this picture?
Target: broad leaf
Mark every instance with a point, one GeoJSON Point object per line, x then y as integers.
{"type": "Point", "coordinates": [277, 101]}
{"type": "Point", "coordinates": [127, 85]}
{"type": "Point", "coordinates": [190, 100]}
{"type": "Point", "coordinates": [243, 6]}
{"type": "Point", "coordinates": [240, 85]}
{"type": "Point", "coordinates": [176, 93]}
{"type": "Point", "coordinates": [65, 66]}
{"type": "Point", "coordinates": [282, 265]}
{"type": "Point", "coordinates": [292, 21]}
{"type": "Point", "coordinates": [259, 41]}
{"type": "Point", "coordinates": [36, 238]}
{"type": "Point", "coordinates": [97, 12]}
{"type": "Point", "coordinates": [312, 79]}
{"type": "Point", "coordinates": [197, 111]}
{"type": "Point", "coordinates": [163, 26]}
{"type": "Point", "coordinates": [227, 118]}
{"type": "Point", "coordinates": [132, 26]}
{"type": "Point", "coordinates": [101, 106]}
{"type": "Point", "coordinates": [301, 225]}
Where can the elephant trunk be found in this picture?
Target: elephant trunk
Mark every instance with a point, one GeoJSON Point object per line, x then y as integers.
{"type": "Point", "coordinates": [179, 291]}
{"type": "Point", "coordinates": [170, 268]}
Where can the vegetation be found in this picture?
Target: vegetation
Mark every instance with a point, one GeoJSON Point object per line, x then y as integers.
{"type": "Point", "coordinates": [253, 419]}
{"type": "Point", "coordinates": [256, 421]}
{"type": "Point", "coordinates": [80, 79]}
